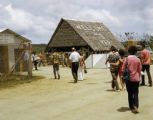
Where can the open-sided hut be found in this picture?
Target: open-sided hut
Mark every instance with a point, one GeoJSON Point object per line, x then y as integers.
{"type": "Point", "coordinates": [89, 36]}
{"type": "Point", "coordinates": [12, 46]}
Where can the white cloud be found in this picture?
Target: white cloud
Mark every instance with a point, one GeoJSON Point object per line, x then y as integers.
{"type": "Point", "coordinates": [38, 21]}
{"type": "Point", "coordinates": [149, 12]}
{"type": "Point", "coordinates": [109, 18]}
{"type": "Point", "coordinates": [103, 16]}
{"type": "Point", "coordinates": [149, 20]}
{"type": "Point", "coordinates": [19, 17]}
{"type": "Point", "coordinates": [28, 24]}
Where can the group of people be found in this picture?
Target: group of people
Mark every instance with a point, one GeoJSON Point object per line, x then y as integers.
{"type": "Point", "coordinates": [77, 64]}
{"type": "Point", "coordinates": [136, 64]}
{"type": "Point", "coordinates": [119, 60]}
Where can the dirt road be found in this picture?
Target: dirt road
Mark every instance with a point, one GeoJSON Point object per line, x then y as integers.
{"type": "Point", "coordinates": [91, 99]}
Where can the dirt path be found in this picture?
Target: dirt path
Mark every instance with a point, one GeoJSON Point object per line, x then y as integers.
{"type": "Point", "coordinates": [91, 99]}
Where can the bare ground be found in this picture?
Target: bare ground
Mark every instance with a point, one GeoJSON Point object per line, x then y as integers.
{"type": "Point", "coordinates": [91, 99]}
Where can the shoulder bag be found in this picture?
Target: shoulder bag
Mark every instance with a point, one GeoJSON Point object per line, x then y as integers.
{"type": "Point", "coordinates": [126, 72]}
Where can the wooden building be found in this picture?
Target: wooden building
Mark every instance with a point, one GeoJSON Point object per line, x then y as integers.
{"type": "Point", "coordinates": [12, 46]}
{"type": "Point", "coordinates": [89, 36]}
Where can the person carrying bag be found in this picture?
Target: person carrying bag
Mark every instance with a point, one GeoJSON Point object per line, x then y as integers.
{"type": "Point", "coordinates": [132, 68]}
{"type": "Point", "coordinates": [126, 72]}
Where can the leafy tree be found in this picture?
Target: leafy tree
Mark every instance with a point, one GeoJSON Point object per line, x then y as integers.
{"type": "Point", "coordinates": [151, 42]}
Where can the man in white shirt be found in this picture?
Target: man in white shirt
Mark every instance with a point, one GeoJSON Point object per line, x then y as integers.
{"type": "Point", "coordinates": [74, 58]}
{"type": "Point", "coordinates": [35, 60]}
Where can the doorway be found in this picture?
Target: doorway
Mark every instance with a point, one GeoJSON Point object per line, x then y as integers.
{"type": "Point", "coordinates": [4, 59]}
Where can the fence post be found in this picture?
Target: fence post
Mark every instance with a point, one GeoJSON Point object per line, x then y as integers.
{"type": "Point", "coordinates": [29, 62]}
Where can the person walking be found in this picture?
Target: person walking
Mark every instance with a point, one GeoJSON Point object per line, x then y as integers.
{"type": "Point", "coordinates": [82, 67]}
{"type": "Point", "coordinates": [35, 60]}
{"type": "Point", "coordinates": [74, 59]}
{"type": "Point", "coordinates": [134, 66]}
{"type": "Point", "coordinates": [146, 61]}
{"type": "Point", "coordinates": [41, 61]}
{"type": "Point", "coordinates": [121, 60]}
{"type": "Point", "coordinates": [113, 59]}
{"type": "Point", "coordinates": [55, 61]}
{"type": "Point", "coordinates": [120, 64]}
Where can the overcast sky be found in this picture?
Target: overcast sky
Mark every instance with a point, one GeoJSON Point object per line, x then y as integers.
{"type": "Point", "coordinates": [37, 19]}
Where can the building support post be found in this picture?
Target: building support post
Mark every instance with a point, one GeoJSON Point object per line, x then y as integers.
{"type": "Point", "coordinates": [29, 62]}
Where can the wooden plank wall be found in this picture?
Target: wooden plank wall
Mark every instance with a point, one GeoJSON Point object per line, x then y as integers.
{"type": "Point", "coordinates": [3, 59]}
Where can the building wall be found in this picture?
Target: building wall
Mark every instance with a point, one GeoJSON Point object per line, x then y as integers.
{"type": "Point", "coordinates": [6, 38]}
{"type": "Point", "coordinates": [97, 61]}
{"type": "Point", "coordinates": [11, 56]}
{"type": "Point", "coordinates": [13, 42]}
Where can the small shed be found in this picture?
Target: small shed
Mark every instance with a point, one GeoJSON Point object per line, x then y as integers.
{"type": "Point", "coordinates": [89, 36]}
{"type": "Point", "coordinates": [12, 46]}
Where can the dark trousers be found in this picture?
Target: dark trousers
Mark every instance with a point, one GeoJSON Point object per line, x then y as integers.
{"type": "Point", "coordinates": [56, 70]}
{"type": "Point", "coordinates": [133, 91]}
{"type": "Point", "coordinates": [74, 68]}
{"type": "Point", "coordinates": [35, 64]}
{"type": "Point", "coordinates": [147, 68]}
{"type": "Point", "coordinates": [114, 74]}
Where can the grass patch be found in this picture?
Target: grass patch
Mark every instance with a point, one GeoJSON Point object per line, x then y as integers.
{"type": "Point", "coordinates": [14, 80]}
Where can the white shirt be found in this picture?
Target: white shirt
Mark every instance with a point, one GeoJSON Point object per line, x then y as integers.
{"type": "Point", "coordinates": [74, 57]}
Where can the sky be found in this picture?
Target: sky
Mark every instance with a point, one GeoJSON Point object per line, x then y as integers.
{"type": "Point", "coordinates": [38, 19]}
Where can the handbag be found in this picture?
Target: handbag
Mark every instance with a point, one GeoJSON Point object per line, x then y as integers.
{"type": "Point", "coordinates": [126, 72]}
{"type": "Point", "coordinates": [85, 70]}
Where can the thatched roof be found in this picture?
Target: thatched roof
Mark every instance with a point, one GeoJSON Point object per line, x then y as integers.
{"type": "Point", "coordinates": [71, 33]}
{"type": "Point", "coordinates": [23, 39]}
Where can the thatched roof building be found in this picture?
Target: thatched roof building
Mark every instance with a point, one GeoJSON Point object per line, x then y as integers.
{"type": "Point", "coordinates": [93, 36]}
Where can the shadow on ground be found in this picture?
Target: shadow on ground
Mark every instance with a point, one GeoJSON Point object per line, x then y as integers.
{"type": "Point", "coordinates": [15, 80]}
{"type": "Point", "coordinates": [123, 109]}
{"type": "Point", "coordinates": [109, 90]}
